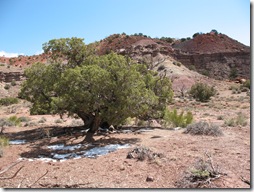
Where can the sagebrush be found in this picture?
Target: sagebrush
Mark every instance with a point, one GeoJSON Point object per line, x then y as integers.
{"type": "Point", "coordinates": [203, 128]}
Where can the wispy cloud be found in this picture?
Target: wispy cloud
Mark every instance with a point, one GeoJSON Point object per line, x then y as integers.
{"type": "Point", "coordinates": [5, 54]}
{"type": "Point", "coordinates": [39, 52]}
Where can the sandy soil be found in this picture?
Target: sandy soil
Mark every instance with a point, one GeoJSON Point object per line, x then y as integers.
{"type": "Point", "coordinates": [230, 153]}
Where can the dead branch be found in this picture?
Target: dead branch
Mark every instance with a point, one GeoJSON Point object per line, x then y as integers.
{"type": "Point", "coordinates": [10, 166]}
{"type": "Point", "coordinates": [21, 183]}
{"type": "Point", "coordinates": [38, 179]}
{"type": "Point", "coordinates": [14, 174]}
{"type": "Point", "coordinates": [245, 180]}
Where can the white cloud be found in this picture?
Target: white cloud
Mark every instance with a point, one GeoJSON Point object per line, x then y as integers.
{"type": "Point", "coordinates": [39, 52]}
{"type": "Point", "coordinates": [5, 54]}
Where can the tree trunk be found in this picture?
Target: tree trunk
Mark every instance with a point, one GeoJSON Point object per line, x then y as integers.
{"type": "Point", "coordinates": [94, 127]}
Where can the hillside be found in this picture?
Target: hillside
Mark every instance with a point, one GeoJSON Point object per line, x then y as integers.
{"type": "Point", "coordinates": [211, 54]}
{"type": "Point", "coordinates": [211, 43]}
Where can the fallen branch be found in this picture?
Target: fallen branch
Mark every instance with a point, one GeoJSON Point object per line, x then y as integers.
{"type": "Point", "coordinates": [38, 179]}
{"type": "Point", "coordinates": [10, 166]}
{"type": "Point", "coordinates": [245, 180]}
{"type": "Point", "coordinates": [13, 175]}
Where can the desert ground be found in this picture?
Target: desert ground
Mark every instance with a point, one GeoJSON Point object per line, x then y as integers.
{"type": "Point", "coordinates": [34, 157]}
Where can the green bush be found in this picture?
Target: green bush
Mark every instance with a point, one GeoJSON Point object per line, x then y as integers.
{"type": "Point", "coordinates": [13, 83]}
{"type": "Point", "coordinates": [8, 101]}
{"type": "Point", "coordinates": [246, 84]}
{"type": "Point", "coordinates": [15, 120]}
{"type": "Point", "coordinates": [202, 92]}
{"type": "Point", "coordinates": [7, 86]}
{"type": "Point", "coordinates": [24, 119]}
{"type": "Point", "coordinates": [177, 120]}
{"type": "Point", "coordinates": [4, 141]}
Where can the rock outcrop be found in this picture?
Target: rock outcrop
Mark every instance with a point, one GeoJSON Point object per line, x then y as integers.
{"type": "Point", "coordinates": [214, 55]}
{"type": "Point", "coordinates": [11, 76]}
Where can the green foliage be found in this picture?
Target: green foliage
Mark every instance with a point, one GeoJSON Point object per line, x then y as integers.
{"type": "Point", "coordinates": [167, 39]}
{"type": "Point", "coordinates": [7, 86]}
{"type": "Point", "coordinates": [13, 83]}
{"type": "Point", "coordinates": [177, 120]}
{"type": "Point", "coordinates": [246, 84]}
{"type": "Point", "coordinates": [14, 120]}
{"type": "Point", "coordinates": [4, 141]}
{"type": "Point", "coordinates": [233, 73]}
{"type": "Point", "coordinates": [8, 101]}
{"type": "Point", "coordinates": [202, 92]}
{"type": "Point", "coordinates": [107, 88]}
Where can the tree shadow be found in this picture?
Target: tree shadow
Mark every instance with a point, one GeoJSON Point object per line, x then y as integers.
{"type": "Point", "coordinates": [39, 139]}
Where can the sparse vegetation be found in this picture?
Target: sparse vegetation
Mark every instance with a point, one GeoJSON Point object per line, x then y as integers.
{"type": "Point", "coordinates": [58, 121]}
{"type": "Point", "coordinates": [171, 118]}
{"type": "Point", "coordinates": [142, 153]}
{"type": "Point", "coordinates": [7, 86]}
{"type": "Point", "coordinates": [14, 120]}
{"type": "Point", "coordinates": [161, 67]}
{"type": "Point", "coordinates": [8, 101]}
{"type": "Point", "coordinates": [4, 141]}
{"type": "Point", "coordinates": [240, 119]}
{"type": "Point", "coordinates": [42, 120]}
{"type": "Point", "coordinates": [201, 174]}
{"type": "Point", "coordinates": [202, 92]}
{"type": "Point", "coordinates": [203, 128]}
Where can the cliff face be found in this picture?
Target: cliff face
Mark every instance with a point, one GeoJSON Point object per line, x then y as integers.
{"type": "Point", "coordinates": [218, 65]}
{"type": "Point", "coordinates": [215, 55]}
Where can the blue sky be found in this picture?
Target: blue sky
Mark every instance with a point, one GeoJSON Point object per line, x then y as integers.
{"type": "Point", "coordinates": [27, 24]}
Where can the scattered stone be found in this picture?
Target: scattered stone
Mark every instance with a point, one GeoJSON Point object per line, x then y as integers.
{"type": "Point", "coordinates": [149, 179]}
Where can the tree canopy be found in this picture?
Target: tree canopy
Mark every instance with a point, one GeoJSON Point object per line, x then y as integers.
{"type": "Point", "coordinates": [108, 88]}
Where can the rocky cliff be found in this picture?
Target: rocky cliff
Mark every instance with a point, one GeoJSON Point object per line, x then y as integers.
{"type": "Point", "coordinates": [215, 55]}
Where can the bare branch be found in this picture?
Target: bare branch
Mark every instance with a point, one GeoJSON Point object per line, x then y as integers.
{"type": "Point", "coordinates": [38, 179]}
{"type": "Point", "coordinates": [14, 174]}
{"type": "Point", "coordinates": [10, 166]}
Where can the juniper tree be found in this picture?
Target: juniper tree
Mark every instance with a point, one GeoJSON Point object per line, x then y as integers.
{"type": "Point", "coordinates": [107, 88]}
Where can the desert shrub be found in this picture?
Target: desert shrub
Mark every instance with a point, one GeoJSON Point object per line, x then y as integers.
{"type": "Point", "coordinates": [141, 123]}
{"type": "Point", "coordinates": [177, 120]}
{"type": "Point", "coordinates": [233, 73]}
{"type": "Point", "coordinates": [220, 117]}
{"type": "Point", "coordinates": [202, 92]}
{"type": "Point", "coordinates": [15, 120]}
{"type": "Point", "coordinates": [240, 119]}
{"type": "Point", "coordinates": [246, 84]}
{"type": "Point", "coordinates": [24, 119]}
{"type": "Point", "coordinates": [58, 121]}
{"type": "Point", "coordinates": [192, 67]}
{"type": "Point", "coordinates": [7, 86]}
{"type": "Point", "coordinates": [203, 128]}
{"type": "Point", "coordinates": [13, 83]}
{"type": "Point", "coordinates": [229, 122]}
{"type": "Point", "coordinates": [4, 141]}
{"type": "Point", "coordinates": [42, 120]}
{"type": "Point", "coordinates": [142, 153]}
{"type": "Point", "coordinates": [201, 174]}
{"type": "Point", "coordinates": [8, 101]}
{"type": "Point", "coordinates": [5, 123]}
{"type": "Point", "coordinates": [161, 67]}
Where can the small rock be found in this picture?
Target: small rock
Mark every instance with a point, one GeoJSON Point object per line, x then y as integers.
{"type": "Point", "coordinates": [149, 179]}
